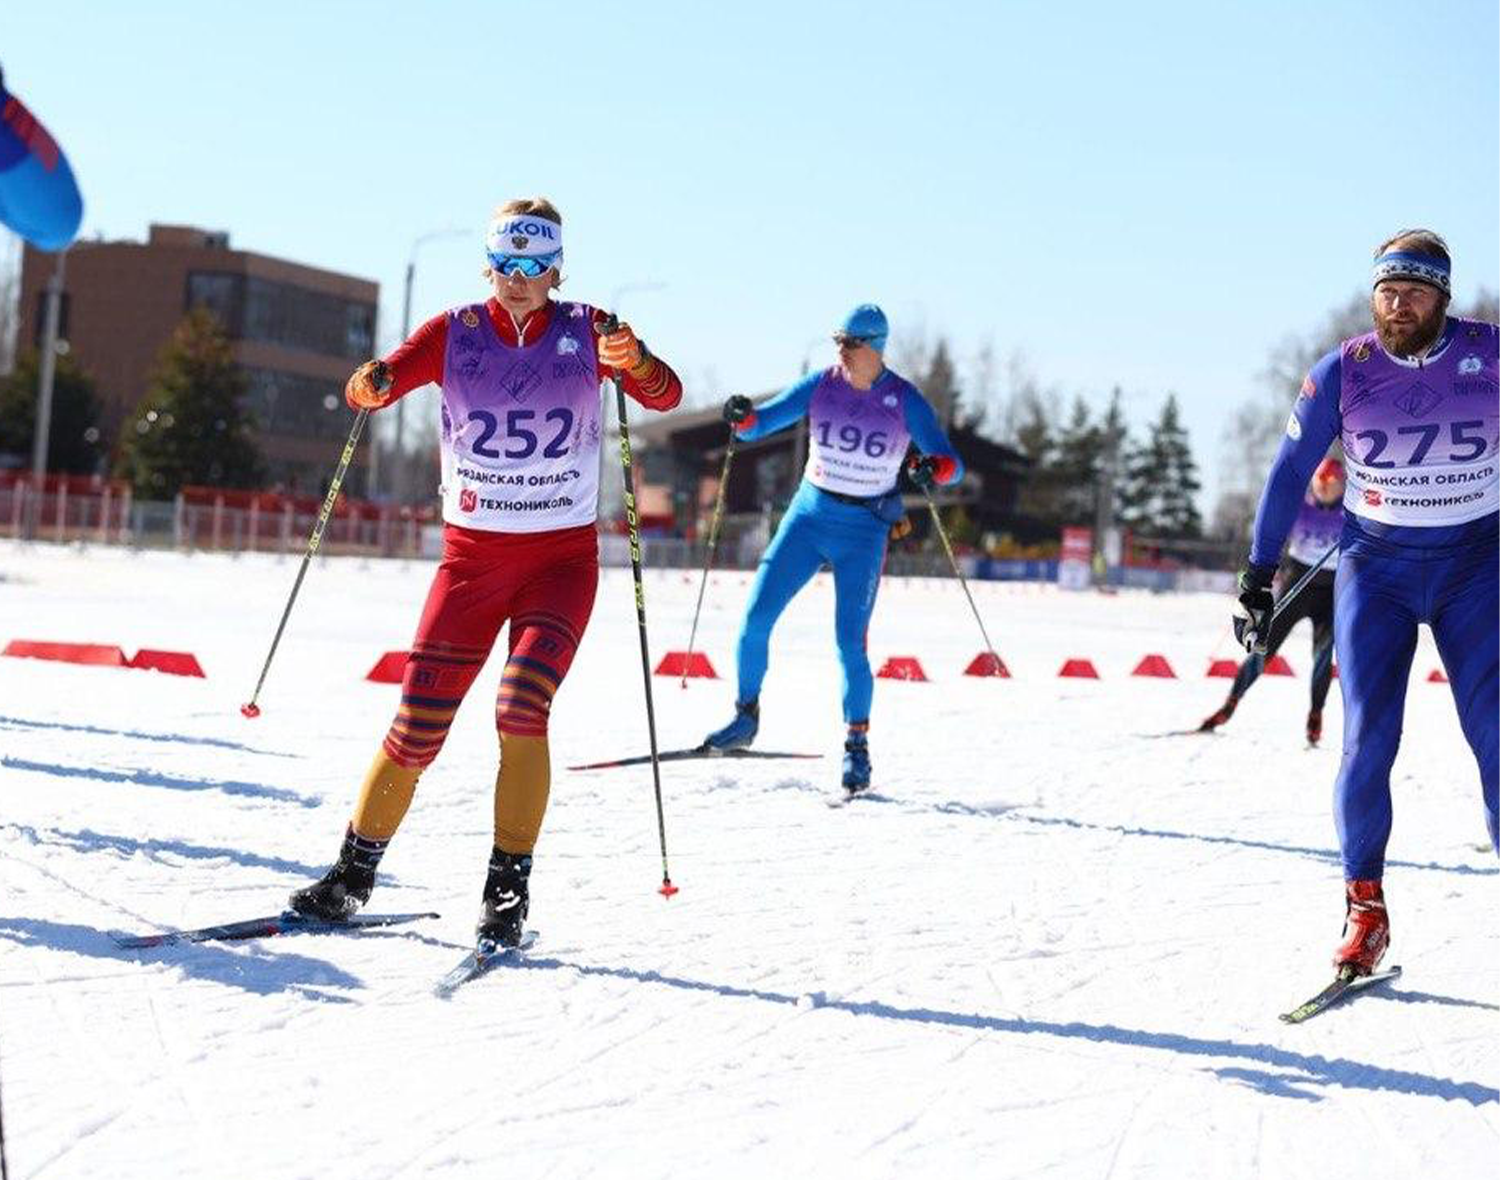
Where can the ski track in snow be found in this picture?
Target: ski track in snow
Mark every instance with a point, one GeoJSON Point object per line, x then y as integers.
{"type": "Point", "coordinates": [1054, 944]}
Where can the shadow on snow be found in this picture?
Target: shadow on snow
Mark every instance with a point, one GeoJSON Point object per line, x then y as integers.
{"type": "Point", "coordinates": [1013, 812]}
{"type": "Point", "coordinates": [139, 735]}
{"type": "Point", "coordinates": [90, 841]}
{"type": "Point", "coordinates": [148, 778]}
{"type": "Point", "coordinates": [1283, 1073]}
{"type": "Point", "coordinates": [251, 969]}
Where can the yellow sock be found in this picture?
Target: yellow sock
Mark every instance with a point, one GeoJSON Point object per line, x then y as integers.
{"type": "Point", "coordinates": [521, 790]}
{"type": "Point", "coordinates": [384, 797]}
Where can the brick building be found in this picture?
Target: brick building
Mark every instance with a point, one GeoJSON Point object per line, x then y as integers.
{"type": "Point", "coordinates": [298, 332]}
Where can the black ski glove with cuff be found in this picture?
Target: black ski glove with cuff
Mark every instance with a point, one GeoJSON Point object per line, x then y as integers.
{"type": "Point", "coordinates": [1252, 617]}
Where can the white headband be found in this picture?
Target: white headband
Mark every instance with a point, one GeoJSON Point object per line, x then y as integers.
{"type": "Point", "coordinates": [524, 234]}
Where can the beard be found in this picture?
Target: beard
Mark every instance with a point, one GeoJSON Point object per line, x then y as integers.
{"type": "Point", "coordinates": [1412, 337]}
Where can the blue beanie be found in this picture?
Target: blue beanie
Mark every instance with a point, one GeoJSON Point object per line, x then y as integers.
{"type": "Point", "coordinates": [866, 322]}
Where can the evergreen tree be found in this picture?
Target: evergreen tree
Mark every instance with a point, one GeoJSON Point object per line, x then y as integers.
{"type": "Point", "coordinates": [1080, 447]}
{"type": "Point", "coordinates": [1179, 508]}
{"type": "Point", "coordinates": [1033, 432]}
{"type": "Point", "coordinates": [191, 428]}
{"type": "Point", "coordinates": [73, 436]}
{"type": "Point", "coordinates": [1163, 479]}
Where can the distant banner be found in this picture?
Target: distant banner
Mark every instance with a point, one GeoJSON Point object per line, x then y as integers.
{"type": "Point", "coordinates": [1074, 571]}
{"type": "Point", "coordinates": [39, 197]}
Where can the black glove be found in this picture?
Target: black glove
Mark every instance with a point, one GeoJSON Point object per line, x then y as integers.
{"type": "Point", "coordinates": [922, 471]}
{"type": "Point", "coordinates": [738, 408]}
{"type": "Point", "coordinates": [1252, 618]}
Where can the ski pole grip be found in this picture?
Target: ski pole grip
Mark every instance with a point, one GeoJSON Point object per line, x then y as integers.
{"type": "Point", "coordinates": [380, 376]}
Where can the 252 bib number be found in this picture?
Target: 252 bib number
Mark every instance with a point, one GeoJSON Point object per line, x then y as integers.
{"type": "Point", "coordinates": [521, 440]}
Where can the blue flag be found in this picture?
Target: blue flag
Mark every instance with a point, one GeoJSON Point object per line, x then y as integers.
{"type": "Point", "coordinates": [39, 198]}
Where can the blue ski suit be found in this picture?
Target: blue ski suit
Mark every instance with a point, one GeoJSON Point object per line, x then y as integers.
{"type": "Point", "coordinates": [1419, 545]}
{"type": "Point", "coordinates": [826, 523]}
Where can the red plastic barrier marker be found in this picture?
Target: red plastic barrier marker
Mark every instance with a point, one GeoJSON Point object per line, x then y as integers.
{"type": "Point", "coordinates": [389, 668]}
{"type": "Point", "coordinates": [681, 663]}
{"type": "Point", "coordinates": [1154, 665]}
{"type": "Point", "coordinates": [1228, 669]}
{"type": "Point", "coordinates": [101, 655]}
{"type": "Point", "coordinates": [1437, 676]}
{"type": "Point", "coordinates": [174, 663]}
{"type": "Point", "coordinates": [1083, 669]}
{"type": "Point", "coordinates": [902, 668]}
{"type": "Point", "coordinates": [1277, 666]}
{"type": "Point", "coordinates": [987, 664]}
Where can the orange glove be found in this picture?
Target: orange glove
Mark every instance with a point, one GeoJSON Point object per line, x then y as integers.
{"type": "Point", "coordinates": [369, 387]}
{"type": "Point", "coordinates": [620, 350]}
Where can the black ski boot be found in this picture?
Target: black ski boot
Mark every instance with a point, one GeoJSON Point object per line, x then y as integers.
{"type": "Point", "coordinates": [856, 762]}
{"type": "Point", "coordinates": [345, 887]}
{"type": "Point", "coordinates": [502, 914]}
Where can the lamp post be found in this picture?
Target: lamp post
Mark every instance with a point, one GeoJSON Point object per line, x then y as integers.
{"type": "Point", "coordinates": [48, 369]}
{"type": "Point", "coordinates": [398, 483]}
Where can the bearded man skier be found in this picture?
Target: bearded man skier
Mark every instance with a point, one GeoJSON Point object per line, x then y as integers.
{"type": "Point", "coordinates": [1415, 404]}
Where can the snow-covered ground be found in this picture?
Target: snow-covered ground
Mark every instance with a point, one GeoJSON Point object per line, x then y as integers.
{"type": "Point", "coordinates": [1056, 945]}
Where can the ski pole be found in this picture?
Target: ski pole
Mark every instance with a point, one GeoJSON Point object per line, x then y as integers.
{"type": "Point", "coordinates": [382, 381]}
{"type": "Point", "coordinates": [708, 561]}
{"type": "Point", "coordinates": [1259, 638]}
{"type": "Point", "coordinates": [632, 524]}
{"type": "Point", "coordinates": [4, 1167]}
{"type": "Point", "coordinates": [962, 581]}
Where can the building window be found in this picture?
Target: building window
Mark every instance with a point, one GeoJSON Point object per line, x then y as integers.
{"type": "Point", "coordinates": [223, 294]}
{"type": "Point", "coordinates": [359, 330]}
{"type": "Point", "coordinates": [295, 317]}
{"type": "Point", "coordinates": [295, 404]}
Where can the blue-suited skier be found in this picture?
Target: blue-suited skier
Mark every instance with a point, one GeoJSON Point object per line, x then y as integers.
{"type": "Point", "coordinates": [862, 417]}
{"type": "Point", "coordinates": [1416, 404]}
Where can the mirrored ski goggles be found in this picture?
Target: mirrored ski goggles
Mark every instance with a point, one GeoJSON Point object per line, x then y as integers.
{"type": "Point", "coordinates": [530, 265]}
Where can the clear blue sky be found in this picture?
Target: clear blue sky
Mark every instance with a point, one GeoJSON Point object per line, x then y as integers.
{"type": "Point", "coordinates": [1150, 194]}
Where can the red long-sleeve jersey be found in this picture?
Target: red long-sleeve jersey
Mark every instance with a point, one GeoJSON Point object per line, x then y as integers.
{"type": "Point", "coordinates": [419, 360]}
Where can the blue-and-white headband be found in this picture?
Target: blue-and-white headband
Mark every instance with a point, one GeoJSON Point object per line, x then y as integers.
{"type": "Point", "coordinates": [1419, 268]}
{"type": "Point", "coordinates": [525, 235]}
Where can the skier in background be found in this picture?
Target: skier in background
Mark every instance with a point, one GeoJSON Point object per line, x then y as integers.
{"type": "Point", "coordinates": [1316, 529]}
{"type": "Point", "coordinates": [861, 418]}
{"type": "Point", "coordinates": [521, 435]}
{"type": "Point", "coordinates": [1415, 403]}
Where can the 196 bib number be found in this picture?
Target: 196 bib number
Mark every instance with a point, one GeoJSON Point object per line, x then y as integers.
{"type": "Point", "coordinates": [851, 438]}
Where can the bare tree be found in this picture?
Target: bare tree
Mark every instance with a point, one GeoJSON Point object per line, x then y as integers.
{"type": "Point", "coordinates": [10, 305]}
{"type": "Point", "coordinates": [1254, 431]}
{"type": "Point", "coordinates": [982, 390]}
